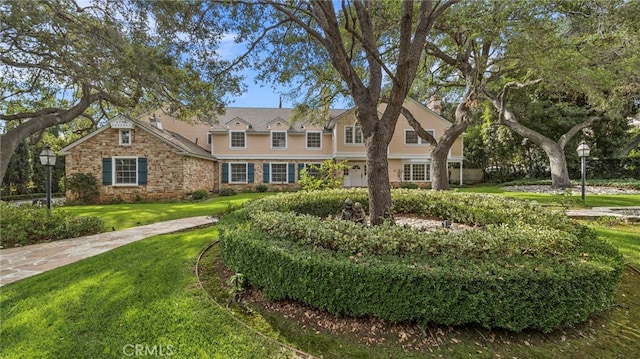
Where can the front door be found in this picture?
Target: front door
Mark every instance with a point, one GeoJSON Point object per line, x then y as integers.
{"type": "Point", "coordinates": [356, 176]}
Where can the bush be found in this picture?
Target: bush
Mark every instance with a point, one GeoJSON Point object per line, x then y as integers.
{"type": "Point", "coordinates": [227, 191]}
{"type": "Point", "coordinates": [261, 188]}
{"type": "Point", "coordinates": [409, 185]}
{"type": "Point", "coordinates": [199, 194]}
{"type": "Point", "coordinates": [523, 267]}
{"type": "Point", "coordinates": [83, 186]}
{"type": "Point", "coordinates": [27, 224]}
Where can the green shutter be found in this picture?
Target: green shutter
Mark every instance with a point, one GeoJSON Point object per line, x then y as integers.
{"type": "Point", "coordinates": [250, 172]}
{"type": "Point", "coordinates": [142, 170]}
{"type": "Point", "coordinates": [265, 173]}
{"type": "Point", "coordinates": [225, 172]}
{"type": "Point", "coordinates": [107, 172]}
{"type": "Point", "coordinates": [291, 172]}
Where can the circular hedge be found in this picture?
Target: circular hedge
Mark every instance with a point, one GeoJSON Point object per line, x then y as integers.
{"type": "Point", "coordinates": [521, 266]}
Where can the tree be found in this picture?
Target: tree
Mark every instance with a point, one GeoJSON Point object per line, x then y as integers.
{"type": "Point", "coordinates": [20, 165]}
{"type": "Point", "coordinates": [328, 175]}
{"type": "Point", "coordinates": [61, 61]}
{"type": "Point", "coordinates": [369, 45]}
{"type": "Point", "coordinates": [530, 42]}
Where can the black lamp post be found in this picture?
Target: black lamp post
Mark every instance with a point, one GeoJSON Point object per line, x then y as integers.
{"type": "Point", "coordinates": [583, 153]}
{"type": "Point", "coordinates": [48, 159]}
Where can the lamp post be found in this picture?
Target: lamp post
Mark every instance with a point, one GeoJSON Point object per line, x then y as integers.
{"type": "Point", "coordinates": [48, 159]}
{"type": "Point", "coordinates": [583, 153]}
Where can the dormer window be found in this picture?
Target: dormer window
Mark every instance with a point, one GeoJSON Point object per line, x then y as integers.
{"type": "Point", "coordinates": [279, 139]}
{"type": "Point", "coordinates": [125, 137]}
{"type": "Point", "coordinates": [237, 140]}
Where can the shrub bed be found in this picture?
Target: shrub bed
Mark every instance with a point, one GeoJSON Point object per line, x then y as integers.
{"type": "Point", "coordinates": [523, 266]}
{"type": "Point", "coordinates": [26, 224]}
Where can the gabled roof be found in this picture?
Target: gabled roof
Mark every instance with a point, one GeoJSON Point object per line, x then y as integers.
{"type": "Point", "coordinates": [259, 119]}
{"type": "Point", "coordinates": [439, 117]}
{"type": "Point", "coordinates": [173, 139]}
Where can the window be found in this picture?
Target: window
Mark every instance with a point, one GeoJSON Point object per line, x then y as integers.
{"type": "Point", "coordinates": [209, 139]}
{"type": "Point", "coordinates": [411, 137]}
{"type": "Point", "coordinates": [126, 171]}
{"type": "Point", "coordinates": [314, 140]}
{"type": "Point", "coordinates": [313, 169]}
{"type": "Point", "coordinates": [416, 172]}
{"type": "Point", "coordinates": [278, 173]}
{"type": "Point", "coordinates": [278, 139]}
{"type": "Point", "coordinates": [125, 137]}
{"type": "Point", "coordinates": [238, 172]}
{"type": "Point", "coordinates": [238, 139]}
{"type": "Point", "coordinates": [353, 135]}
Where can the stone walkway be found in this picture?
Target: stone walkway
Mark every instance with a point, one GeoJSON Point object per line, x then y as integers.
{"type": "Point", "coordinates": [23, 262]}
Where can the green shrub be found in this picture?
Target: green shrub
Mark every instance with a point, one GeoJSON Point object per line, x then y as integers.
{"type": "Point", "coordinates": [409, 185]}
{"type": "Point", "coordinates": [199, 194]}
{"type": "Point", "coordinates": [84, 186]}
{"type": "Point", "coordinates": [27, 224]}
{"type": "Point", "coordinates": [327, 175]}
{"type": "Point", "coordinates": [227, 191]}
{"type": "Point", "coordinates": [523, 267]}
{"type": "Point", "coordinates": [261, 188]}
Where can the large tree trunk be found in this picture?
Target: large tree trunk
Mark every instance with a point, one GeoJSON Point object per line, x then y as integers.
{"type": "Point", "coordinates": [440, 155]}
{"type": "Point", "coordinates": [557, 164]}
{"type": "Point", "coordinates": [378, 178]}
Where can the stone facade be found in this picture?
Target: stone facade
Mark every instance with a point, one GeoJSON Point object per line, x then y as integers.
{"type": "Point", "coordinates": [170, 173]}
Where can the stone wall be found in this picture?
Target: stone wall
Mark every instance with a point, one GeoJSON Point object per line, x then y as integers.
{"type": "Point", "coordinates": [165, 167]}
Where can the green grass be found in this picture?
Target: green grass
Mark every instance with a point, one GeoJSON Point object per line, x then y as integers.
{"type": "Point", "coordinates": [141, 294]}
{"type": "Point", "coordinates": [574, 200]}
{"type": "Point", "coordinates": [126, 215]}
{"type": "Point", "coordinates": [626, 237]}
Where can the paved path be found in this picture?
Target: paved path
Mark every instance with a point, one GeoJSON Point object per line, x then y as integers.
{"type": "Point", "coordinates": [23, 262]}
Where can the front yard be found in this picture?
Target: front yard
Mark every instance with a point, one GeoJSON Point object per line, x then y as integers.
{"type": "Point", "coordinates": [145, 297]}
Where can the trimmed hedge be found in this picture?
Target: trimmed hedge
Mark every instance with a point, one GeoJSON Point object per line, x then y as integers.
{"type": "Point", "coordinates": [542, 274]}
{"type": "Point", "coordinates": [27, 224]}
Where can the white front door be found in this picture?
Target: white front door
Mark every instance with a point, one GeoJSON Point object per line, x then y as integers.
{"type": "Point", "coordinates": [357, 176]}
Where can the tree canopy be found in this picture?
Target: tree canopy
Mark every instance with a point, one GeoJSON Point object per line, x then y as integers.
{"type": "Point", "coordinates": [61, 61]}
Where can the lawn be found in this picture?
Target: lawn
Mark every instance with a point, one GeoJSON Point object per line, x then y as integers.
{"type": "Point", "coordinates": [126, 215]}
{"type": "Point", "coordinates": [144, 296]}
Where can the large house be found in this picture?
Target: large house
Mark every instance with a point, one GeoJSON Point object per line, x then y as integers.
{"type": "Point", "coordinates": [159, 157]}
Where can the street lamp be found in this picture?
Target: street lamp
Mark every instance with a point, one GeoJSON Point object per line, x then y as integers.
{"type": "Point", "coordinates": [48, 159]}
{"type": "Point", "coordinates": [583, 153]}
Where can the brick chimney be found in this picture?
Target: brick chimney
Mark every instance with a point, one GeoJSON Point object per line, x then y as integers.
{"type": "Point", "coordinates": [435, 103]}
{"type": "Point", "coordinates": [155, 121]}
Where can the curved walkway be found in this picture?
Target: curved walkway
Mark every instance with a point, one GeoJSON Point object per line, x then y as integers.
{"type": "Point", "coordinates": [23, 262]}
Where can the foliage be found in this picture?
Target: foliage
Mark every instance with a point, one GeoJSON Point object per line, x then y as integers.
{"type": "Point", "coordinates": [83, 186]}
{"type": "Point", "coordinates": [199, 195]}
{"type": "Point", "coordinates": [19, 171]}
{"type": "Point", "coordinates": [26, 224]}
{"type": "Point", "coordinates": [62, 61]}
{"type": "Point", "coordinates": [261, 188]}
{"type": "Point", "coordinates": [227, 191]}
{"type": "Point", "coordinates": [326, 176]}
{"type": "Point", "coordinates": [516, 272]}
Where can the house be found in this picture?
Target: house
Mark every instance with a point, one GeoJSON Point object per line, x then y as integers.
{"type": "Point", "coordinates": [138, 160]}
{"type": "Point", "coordinates": [261, 146]}
{"type": "Point", "coordinates": [244, 148]}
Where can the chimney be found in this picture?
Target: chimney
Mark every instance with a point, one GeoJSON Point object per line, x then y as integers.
{"type": "Point", "coordinates": [155, 122]}
{"type": "Point", "coordinates": [435, 103]}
